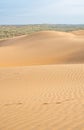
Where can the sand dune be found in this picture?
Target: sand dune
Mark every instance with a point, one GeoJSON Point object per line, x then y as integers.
{"type": "Point", "coordinates": [42, 98]}
{"type": "Point", "coordinates": [41, 48]}
{"type": "Point", "coordinates": [40, 87]}
{"type": "Point", "coordinates": [79, 32]}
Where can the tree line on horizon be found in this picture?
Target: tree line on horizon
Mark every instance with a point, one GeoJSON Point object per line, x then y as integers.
{"type": "Point", "coordinates": [8, 31]}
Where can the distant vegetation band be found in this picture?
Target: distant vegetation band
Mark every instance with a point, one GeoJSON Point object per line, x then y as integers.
{"type": "Point", "coordinates": [8, 31]}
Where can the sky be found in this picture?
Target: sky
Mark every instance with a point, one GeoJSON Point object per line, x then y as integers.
{"type": "Point", "coordinates": [41, 11]}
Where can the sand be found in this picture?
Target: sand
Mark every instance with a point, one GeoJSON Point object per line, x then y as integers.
{"type": "Point", "coordinates": [42, 82]}
{"type": "Point", "coordinates": [42, 48]}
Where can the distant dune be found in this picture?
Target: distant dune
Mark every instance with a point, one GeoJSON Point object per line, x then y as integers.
{"type": "Point", "coordinates": [42, 81]}
{"type": "Point", "coordinates": [41, 48]}
{"type": "Point", "coordinates": [79, 33]}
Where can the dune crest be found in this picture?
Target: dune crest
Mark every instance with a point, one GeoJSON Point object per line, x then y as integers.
{"type": "Point", "coordinates": [79, 32]}
{"type": "Point", "coordinates": [42, 48]}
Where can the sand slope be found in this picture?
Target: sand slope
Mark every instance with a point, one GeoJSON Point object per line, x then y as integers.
{"type": "Point", "coordinates": [78, 32]}
{"type": "Point", "coordinates": [42, 98]}
{"type": "Point", "coordinates": [41, 48]}
{"type": "Point", "coordinates": [40, 88]}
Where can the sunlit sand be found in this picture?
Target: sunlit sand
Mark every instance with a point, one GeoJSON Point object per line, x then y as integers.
{"type": "Point", "coordinates": [42, 81]}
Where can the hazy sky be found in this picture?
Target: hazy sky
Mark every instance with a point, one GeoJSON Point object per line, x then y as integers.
{"type": "Point", "coordinates": [41, 11]}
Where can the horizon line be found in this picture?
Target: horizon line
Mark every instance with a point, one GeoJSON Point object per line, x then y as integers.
{"type": "Point", "coordinates": [42, 24]}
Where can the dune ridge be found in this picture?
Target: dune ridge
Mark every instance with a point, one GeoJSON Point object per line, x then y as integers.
{"type": "Point", "coordinates": [78, 32]}
{"type": "Point", "coordinates": [42, 48]}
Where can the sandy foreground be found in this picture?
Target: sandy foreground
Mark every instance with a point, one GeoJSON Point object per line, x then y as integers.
{"type": "Point", "coordinates": [40, 87]}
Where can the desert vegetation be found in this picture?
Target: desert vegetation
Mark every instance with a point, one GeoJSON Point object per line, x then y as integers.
{"type": "Point", "coordinates": [8, 31]}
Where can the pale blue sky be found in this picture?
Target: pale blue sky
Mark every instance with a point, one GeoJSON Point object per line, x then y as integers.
{"type": "Point", "coordinates": [41, 11]}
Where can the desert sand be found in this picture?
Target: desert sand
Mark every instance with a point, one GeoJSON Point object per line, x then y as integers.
{"type": "Point", "coordinates": [42, 82]}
